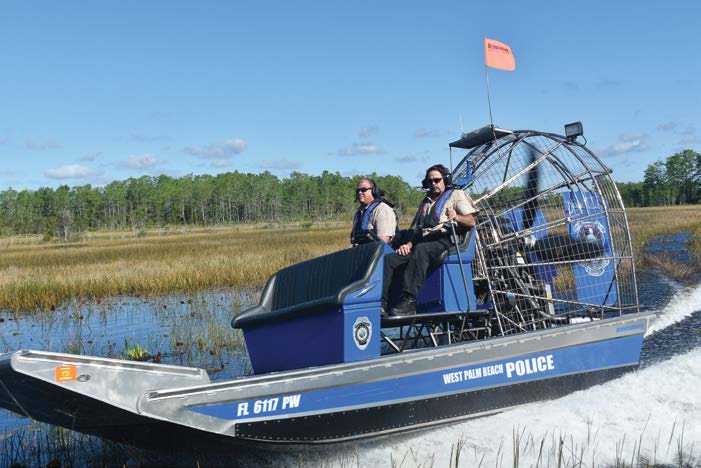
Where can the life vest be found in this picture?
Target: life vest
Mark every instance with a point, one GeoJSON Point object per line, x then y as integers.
{"type": "Point", "coordinates": [360, 233]}
{"type": "Point", "coordinates": [432, 218]}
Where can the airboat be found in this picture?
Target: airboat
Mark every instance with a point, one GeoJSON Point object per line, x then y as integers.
{"type": "Point", "coordinates": [538, 300]}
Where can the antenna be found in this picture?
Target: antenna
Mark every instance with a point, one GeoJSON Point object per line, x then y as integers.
{"type": "Point", "coordinates": [461, 129]}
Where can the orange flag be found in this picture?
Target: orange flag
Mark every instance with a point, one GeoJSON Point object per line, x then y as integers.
{"type": "Point", "coordinates": [498, 55]}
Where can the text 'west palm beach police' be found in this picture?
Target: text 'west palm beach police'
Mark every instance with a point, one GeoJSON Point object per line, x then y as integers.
{"type": "Point", "coordinates": [518, 367]}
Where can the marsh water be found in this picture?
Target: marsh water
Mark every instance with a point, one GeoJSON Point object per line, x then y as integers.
{"type": "Point", "coordinates": [654, 412]}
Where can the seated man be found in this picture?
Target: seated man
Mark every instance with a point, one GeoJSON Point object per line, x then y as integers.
{"type": "Point", "coordinates": [429, 239]}
{"type": "Point", "coordinates": [375, 218]}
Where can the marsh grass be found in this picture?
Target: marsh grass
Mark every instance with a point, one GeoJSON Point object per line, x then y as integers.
{"type": "Point", "coordinates": [647, 223]}
{"type": "Point", "coordinates": [43, 276]}
{"type": "Point", "coordinates": [37, 275]}
{"type": "Point", "coordinates": [669, 266]}
{"type": "Point", "coordinates": [42, 445]}
{"type": "Point", "coordinates": [562, 450]}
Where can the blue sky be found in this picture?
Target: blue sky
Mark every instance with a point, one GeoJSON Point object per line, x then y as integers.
{"type": "Point", "coordinates": [94, 91]}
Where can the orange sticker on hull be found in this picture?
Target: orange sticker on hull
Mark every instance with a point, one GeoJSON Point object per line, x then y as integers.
{"type": "Point", "coordinates": [66, 373]}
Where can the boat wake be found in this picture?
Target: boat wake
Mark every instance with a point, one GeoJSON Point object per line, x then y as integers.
{"type": "Point", "coordinates": [650, 414]}
{"type": "Point", "coordinates": [685, 302]}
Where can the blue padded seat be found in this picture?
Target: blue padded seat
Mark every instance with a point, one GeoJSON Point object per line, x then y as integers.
{"type": "Point", "coordinates": [312, 286]}
{"type": "Point", "coordinates": [444, 290]}
{"type": "Point", "coordinates": [310, 313]}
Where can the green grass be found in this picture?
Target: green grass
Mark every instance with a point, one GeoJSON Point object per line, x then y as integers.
{"type": "Point", "coordinates": [37, 275]}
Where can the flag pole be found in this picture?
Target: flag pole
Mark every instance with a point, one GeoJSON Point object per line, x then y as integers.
{"type": "Point", "coordinates": [489, 100]}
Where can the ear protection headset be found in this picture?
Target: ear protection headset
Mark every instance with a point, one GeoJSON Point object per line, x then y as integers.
{"type": "Point", "coordinates": [447, 178]}
{"type": "Point", "coordinates": [376, 192]}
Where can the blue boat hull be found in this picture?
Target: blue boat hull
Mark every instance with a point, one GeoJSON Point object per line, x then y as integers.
{"type": "Point", "coordinates": [151, 405]}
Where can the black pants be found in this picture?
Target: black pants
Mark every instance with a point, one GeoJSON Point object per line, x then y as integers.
{"type": "Point", "coordinates": [413, 267]}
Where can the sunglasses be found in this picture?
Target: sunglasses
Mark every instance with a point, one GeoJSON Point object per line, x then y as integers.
{"type": "Point", "coordinates": [362, 189]}
{"type": "Point", "coordinates": [435, 180]}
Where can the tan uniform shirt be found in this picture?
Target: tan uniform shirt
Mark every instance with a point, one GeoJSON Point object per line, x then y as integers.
{"type": "Point", "coordinates": [459, 200]}
{"type": "Point", "coordinates": [383, 221]}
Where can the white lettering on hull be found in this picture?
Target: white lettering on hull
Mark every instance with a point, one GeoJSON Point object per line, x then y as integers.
{"type": "Point", "coordinates": [268, 405]}
{"type": "Point", "coordinates": [515, 368]}
{"type": "Point", "coordinates": [522, 367]}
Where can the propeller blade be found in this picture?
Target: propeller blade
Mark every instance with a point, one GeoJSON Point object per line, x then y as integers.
{"type": "Point", "coordinates": [561, 247]}
{"type": "Point", "coordinates": [530, 208]}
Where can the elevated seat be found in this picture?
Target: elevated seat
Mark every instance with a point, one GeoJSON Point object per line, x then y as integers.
{"type": "Point", "coordinates": [444, 289]}
{"type": "Point", "coordinates": [322, 311]}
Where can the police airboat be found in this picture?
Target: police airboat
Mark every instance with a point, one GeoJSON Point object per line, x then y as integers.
{"type": "Point", "coordinates": [538, 300]}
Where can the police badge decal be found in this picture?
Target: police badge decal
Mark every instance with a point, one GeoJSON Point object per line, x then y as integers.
{"type": "Point", "coordinates": [362, 332]}
{"type": "Point", "coordinates": [593, 231]}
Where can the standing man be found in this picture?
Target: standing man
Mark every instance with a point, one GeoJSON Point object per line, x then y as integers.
{"type": "Point", "coordinates": [430, 237]}
{"type": "Point", "coordinates": [375, 218]}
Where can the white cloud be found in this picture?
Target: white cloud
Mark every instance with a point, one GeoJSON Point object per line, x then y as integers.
{"type": "Point", "coordinates": [148, 138]}
{"type": "Point", "coordinates": [425, 133]}
{"type": "Point", "coordinates": [367, 132]}
{"type": "Point", "coordinates": [606, 83]}
{"type": "Point", "coordinates": [90, 156]}
{"type": "Point", "coordinates": [631, 137]}
{"type": "Point", "coordinates": [351, 172]}
{"type": "Point", "coordinates": [221, 163]}
{"type": "Point", "coordinates": [628, 143]}
{"type": "Point", "coordinates": [174, 173]}
{"type": "Point", "coordinates": [70, 171]}
{"type": "Point", "coordinates": [406, 159]}
{"type": "Point", "coordinates": [361, 148]}
{"type": "Point", "coordinates": [667, 126]}
{"type": "Point", "coordinates": [41, 145]}
{"type": "Point", "coordinates": [225, 150]}
{"type": "Point", "coordinates": [140, 162]}
{"type": "Point", "coordinates": [279, 164]}
{"type": "Point", "coordinates": [689, 136]}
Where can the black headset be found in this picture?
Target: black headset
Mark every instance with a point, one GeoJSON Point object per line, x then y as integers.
{"type": "Point", "coordinates": [376, 192]}
{"type": "Point", "coordinates": [447, 178]}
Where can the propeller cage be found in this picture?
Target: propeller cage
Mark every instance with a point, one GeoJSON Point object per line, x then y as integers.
{"type": "Point", "coordinates": [552, 237]}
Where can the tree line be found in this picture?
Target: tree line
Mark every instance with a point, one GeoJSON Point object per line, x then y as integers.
{"type": "Point", "coordinates": [236, 197]}
{"type": "Point", "coordinates": [674, 181]}
{"type": "Point", "coordinates": [227, 198]}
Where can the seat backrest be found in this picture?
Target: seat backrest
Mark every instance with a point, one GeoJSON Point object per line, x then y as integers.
{"type": "Point", "coordinates": [312, 286]}
{"type": "Point", "coordinates": [323, 276]}
{"type": "Point", "coordinates": [467, 249]}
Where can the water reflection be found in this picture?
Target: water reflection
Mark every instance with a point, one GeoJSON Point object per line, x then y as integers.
{"type": "Point", "coordinates": [182, 330]}
{"type": "Point", "coordinates": [674, 245]}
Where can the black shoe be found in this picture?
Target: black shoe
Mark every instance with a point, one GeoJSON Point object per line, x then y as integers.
{"type": "Point", "coordinates": [407, 306]}
{"type": "Point", "coordinates": [383, 309]}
